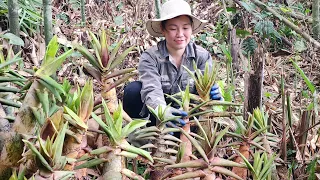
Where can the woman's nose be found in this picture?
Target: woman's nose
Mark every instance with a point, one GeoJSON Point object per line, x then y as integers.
{"type": "Point", "coordinates": [180, 32]}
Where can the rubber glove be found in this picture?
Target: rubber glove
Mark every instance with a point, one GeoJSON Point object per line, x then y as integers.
{"type": "Point", "coordinates": [215, 93]}
{"type": "Point", "coordinates": [175, 114]}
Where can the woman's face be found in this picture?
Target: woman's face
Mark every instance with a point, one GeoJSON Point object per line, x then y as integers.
{"type": "Point", "coordinates": [177, 32]}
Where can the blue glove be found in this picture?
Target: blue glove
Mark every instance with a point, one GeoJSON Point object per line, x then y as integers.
{"type": "Point", "coordinates": [174, 114]}
{"type": "Point", "coordinates": [215, 93]}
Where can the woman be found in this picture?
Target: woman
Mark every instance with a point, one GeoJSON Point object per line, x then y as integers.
{"type": "Point", "coordinates": [160, 67]}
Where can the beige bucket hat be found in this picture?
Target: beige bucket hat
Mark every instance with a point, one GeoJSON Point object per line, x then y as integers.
{"type": "Point", "coordinates": [172, 9]}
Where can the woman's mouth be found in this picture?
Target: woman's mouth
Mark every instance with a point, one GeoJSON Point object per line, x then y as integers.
{"type": "Point", "coordinates": [179, 41]}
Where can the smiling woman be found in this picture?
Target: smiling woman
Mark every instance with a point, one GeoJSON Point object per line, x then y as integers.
{"type": "Point", "coordinates": [160, 67]}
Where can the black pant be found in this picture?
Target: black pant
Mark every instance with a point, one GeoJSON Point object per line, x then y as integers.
{"type": "Point", "coordinates": [132, 103]}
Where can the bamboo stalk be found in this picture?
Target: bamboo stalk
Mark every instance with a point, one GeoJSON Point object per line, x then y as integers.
{"type": "Point", "coordinates": [83, 13]}
{"type": "Point", "coordinates": [158, 7]}
{"type": "Point", "coordinates": [288, 23]}
{"type": "Point", "coordinates": [316, 19]}
{"type": "Point", "coordinates": [14, 26]}
{"type": "Point", "coordinates": [284, 122]}
{"type": "Point", "coordinates": [47, 18]}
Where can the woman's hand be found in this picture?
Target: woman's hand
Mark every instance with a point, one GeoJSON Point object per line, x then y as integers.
{"type": "Point", "coordinates": [175, 115]}
{"type": "Point", "coordinates": [215, 93]}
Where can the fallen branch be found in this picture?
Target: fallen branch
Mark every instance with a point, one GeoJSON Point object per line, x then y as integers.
{"type": "Point", "coordinates": [299, 16]}
{"type": "Point", "coordinates": [288, 23]}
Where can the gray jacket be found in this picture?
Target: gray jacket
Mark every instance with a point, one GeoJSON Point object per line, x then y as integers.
{"type": "Point", "coordinates": [160, 76]}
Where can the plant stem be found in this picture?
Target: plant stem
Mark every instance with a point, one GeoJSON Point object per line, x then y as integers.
{"type": "Point", "coordinates": [47, 18]}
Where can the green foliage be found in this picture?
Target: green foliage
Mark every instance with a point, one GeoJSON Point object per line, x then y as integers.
{"type": "Point", "coordinates": [249, 45]}
{"type": "Point", "coordinates": [265, 29]}
{"type": "Point", "coordinates": [206, 40]}
{"type": "Point", "coordinates": [300, 45]}
{"type": "Point", "coordinates": [13, 39]}
{"type": "Point", "coordinates": [51, 63]}
{"type": "Point", "coordinates": [262, 165]}
{"type": "Point", "coordinates": [311, 169]}
{"type": "Point", "coordinates": [29, 14]}
{"type": "Point", "coordinates": [304, 77]}
{"type": "Point", "coordinates": [204, 80]}
{"type": "Point", "coordinates": [19, 176]}
{"type": "Point", "coordinates": [49, 153]}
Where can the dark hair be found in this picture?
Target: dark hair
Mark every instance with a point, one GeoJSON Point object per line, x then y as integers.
{"type": "Point", "coordinates": [163, 23]}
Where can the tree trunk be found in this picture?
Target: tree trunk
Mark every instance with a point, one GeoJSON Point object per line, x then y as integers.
{"type": "Point", "coordinates": [14, 26]}
{"type": "Point", "coordinates": [47, 18]}
{"type": "Point", "coordinates": [83, 13]}
{"type": "Point", "coordinates": [253, 83]}
{"type": "Point", "coordinates": [316, 20]}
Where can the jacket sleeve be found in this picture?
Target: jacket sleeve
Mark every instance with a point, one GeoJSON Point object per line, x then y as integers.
{"type": "Point", "coordinates": [151, 92]}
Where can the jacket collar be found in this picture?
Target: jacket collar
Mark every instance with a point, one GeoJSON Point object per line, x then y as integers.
{"type": "Point", "coordinates": [190, 50]}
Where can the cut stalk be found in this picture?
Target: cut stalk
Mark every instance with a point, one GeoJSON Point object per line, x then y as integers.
{"type": "Point", "coordinates": [244, 150]}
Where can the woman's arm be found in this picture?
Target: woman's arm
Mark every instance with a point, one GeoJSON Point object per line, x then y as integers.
{"type": "Point", "coordinates": [151, 92]}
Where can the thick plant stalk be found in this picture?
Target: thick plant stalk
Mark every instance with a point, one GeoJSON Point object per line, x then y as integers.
{"type": "Point", "coordinates": [207, 126]}
{"type": "Point", "coordinates": [72, 149]}
{"type": "Point", "coordinates": [183, 138]}
{"type": "Point", "coordinates": [244, 150]}
{"type": "Point", "coordinates": [288, 23]}
{"type": "Point", "coordinates": [115, 163]}
{"type": "Point", "coordinates": [110, 96]}
{"type": "Point", "coordinates": [11, 146]}
{"type": "Point", "coordinates": [316, 19]}
{"type": "Point", "coordinates": [83, 12]}
{"type": "Point", "coordinates": [112, 169]}
{"type": "Point", "coordinates": [14, 26]}
{"type": "Point", "coordinates": [47, 18]}
{"type": "Point", "coordinates": [159, 172]}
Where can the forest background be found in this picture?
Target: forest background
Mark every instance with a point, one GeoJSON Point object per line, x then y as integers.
{"type": "Point", "coordinates": [64, 64]}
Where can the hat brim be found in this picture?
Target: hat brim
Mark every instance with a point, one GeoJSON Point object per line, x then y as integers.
{"type": "Point", "coordinates": [154, 25]}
